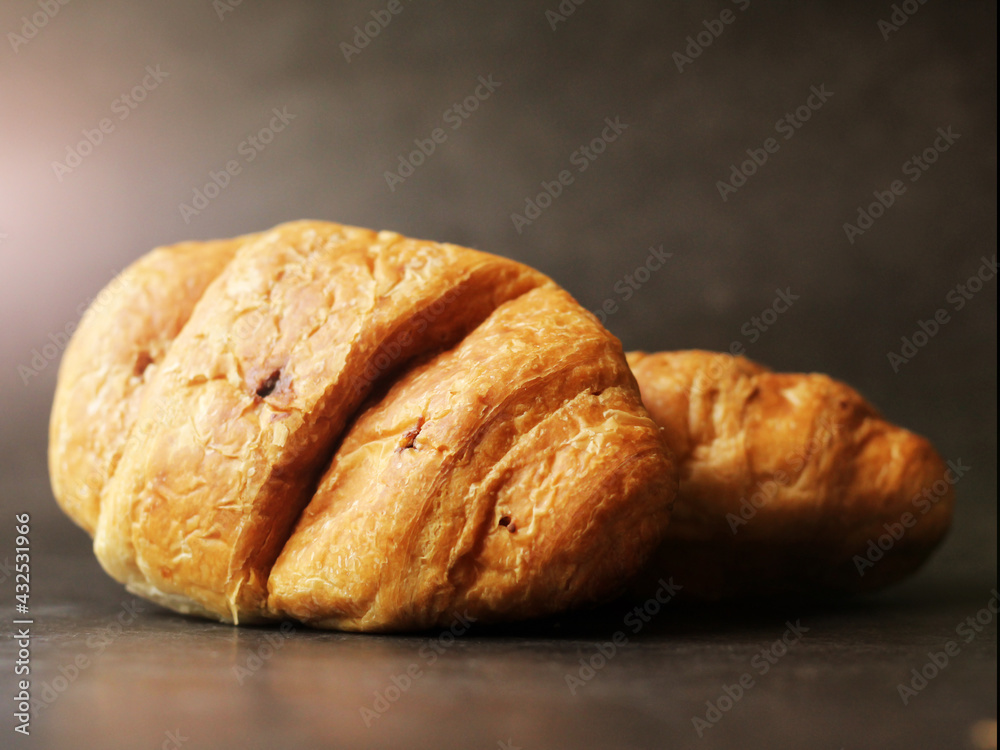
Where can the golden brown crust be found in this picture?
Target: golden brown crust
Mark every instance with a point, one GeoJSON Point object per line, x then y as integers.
{"type": "Point", "coordinates": [450, 494]}
{"type": "Point", "coordinates": [221, 448]}
{"type": "Point", "coordinates": [786, 479]}
{"type": "Point", "coordinates": [119, 344]}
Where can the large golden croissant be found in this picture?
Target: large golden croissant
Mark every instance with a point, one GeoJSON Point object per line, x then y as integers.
{"type": "Point", "coordinates": [355, 429]}
{"type": "Point", "coordinates": [789, 483]}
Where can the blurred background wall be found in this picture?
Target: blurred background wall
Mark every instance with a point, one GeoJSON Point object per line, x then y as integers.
{"type": "Point", "coordinates": [741, 137]}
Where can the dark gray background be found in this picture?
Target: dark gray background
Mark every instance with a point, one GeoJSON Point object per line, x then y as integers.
{"type": "Point", "coordinates": [61, 241]}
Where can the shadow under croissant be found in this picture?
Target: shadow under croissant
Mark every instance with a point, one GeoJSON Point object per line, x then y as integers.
{"type": "Point", "coordinates": [752, 570]}
{"type": "Point", "coordinates": [749, 617]}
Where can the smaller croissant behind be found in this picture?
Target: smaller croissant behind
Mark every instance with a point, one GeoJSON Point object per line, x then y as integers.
{"type": "Point", "coordinates": [789, 483]}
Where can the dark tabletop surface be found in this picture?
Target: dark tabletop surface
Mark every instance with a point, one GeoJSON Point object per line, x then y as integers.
{"type": "Point", "coordinates": [184, 86]}
{"type": "Point", "coordinates": [112, 671]}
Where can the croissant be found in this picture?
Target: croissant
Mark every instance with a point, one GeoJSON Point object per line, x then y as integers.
{"type": "Point", "coordinates": [789, 484]}
{"type": "Point", "coordinates": [355, 429]}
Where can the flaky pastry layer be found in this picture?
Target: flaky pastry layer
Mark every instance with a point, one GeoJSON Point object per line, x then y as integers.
{"type": "Point", "coordinates": [789, 483]}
